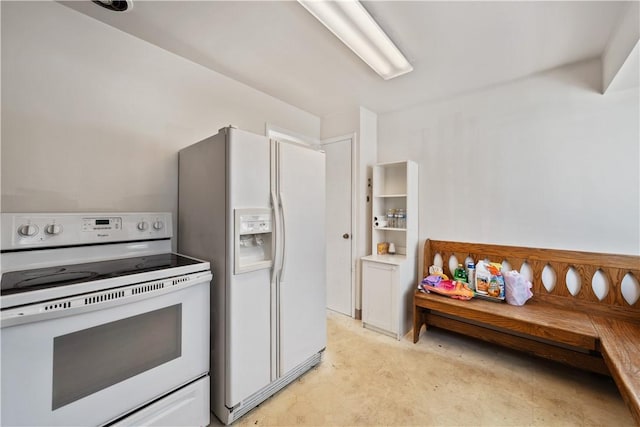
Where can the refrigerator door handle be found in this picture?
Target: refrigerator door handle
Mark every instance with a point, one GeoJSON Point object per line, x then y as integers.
{"type": "Point", "coordinates": [284, 238]}
{"type": "Point", "coordinates": [276, 233]}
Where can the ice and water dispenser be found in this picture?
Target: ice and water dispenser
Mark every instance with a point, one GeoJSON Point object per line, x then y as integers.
{"type": "Point", "coordinates": [253, 240]}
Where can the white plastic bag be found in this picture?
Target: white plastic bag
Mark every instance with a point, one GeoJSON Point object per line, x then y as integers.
{"type": "Point", "coordinates": [517, 288]}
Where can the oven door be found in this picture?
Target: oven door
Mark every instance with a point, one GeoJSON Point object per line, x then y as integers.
{"type": "Point", "coordinates": [95, 366]}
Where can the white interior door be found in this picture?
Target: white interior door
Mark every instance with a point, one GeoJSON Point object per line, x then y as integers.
{"type": "Point", "coordinates": [339, 226]}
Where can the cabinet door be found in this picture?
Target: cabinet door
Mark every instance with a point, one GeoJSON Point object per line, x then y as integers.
{"type": "Point", "coordinates": [378, 292]}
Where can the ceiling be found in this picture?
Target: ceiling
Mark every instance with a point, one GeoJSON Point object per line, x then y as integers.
{"type": "Point", "coordinates": [455, 47]}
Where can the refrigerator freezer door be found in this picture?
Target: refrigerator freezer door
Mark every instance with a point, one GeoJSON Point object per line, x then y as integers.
{"type": "Point", "coordinates": [248, 172]}
{"type": "Point", "coordinates": [249, 336]}
{"type": "Point", "coordinates": [302, 316]}
{"type": "Point", "coordinates": [248, 316]}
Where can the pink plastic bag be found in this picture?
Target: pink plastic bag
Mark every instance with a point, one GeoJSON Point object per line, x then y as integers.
{"type": "Point", "coordinates": [517, 289]}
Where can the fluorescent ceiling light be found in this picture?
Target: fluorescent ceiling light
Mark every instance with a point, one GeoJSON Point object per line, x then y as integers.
{"type": "Point", "coordinates": [353, 25]}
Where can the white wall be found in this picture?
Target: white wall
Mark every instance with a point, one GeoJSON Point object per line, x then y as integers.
{"type": "Point", "coordinates": [546, 161]}
{"type": "Point", "coordinates": [93, 118]}
{"type": "Point", "coordinates": [340, 123]}
{"type": "Point", "coordinates": [622, 42]}
{"type": "Point", "coordinates": [367, 152]}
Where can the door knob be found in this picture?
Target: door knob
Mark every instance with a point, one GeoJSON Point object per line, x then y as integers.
{"type": "Point", "coordinates": [345, 236]}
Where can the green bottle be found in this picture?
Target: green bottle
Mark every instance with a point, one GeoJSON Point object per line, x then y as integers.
{"type": "Point", "coordinates": [460, 274]}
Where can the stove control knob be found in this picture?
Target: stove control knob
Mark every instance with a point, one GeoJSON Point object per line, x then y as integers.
{"type": "Point", "coordinates": [142, 226]}
{"type": "Point", "coordinates": [27, 230]}
{"type": "Point", "coordinates": [53, 229]}
{"type": "Point", "coordinates": [158, 225]}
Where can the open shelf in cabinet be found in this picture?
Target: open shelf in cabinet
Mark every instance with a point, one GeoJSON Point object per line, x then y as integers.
{"type": "Point", "coordinates": [389, 229]}
{"type": "Point", "coordinates": [391, 179]}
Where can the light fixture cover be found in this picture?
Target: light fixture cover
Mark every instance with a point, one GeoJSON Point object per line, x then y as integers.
{"type": "Point", "coordinates": [351, 23]}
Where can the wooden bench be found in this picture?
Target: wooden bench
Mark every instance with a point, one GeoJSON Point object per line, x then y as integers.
{"type": "Point", "coordinates": [600, 334]}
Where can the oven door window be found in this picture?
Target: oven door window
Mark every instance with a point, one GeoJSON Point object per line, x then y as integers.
{"type": "Point", "coordinates": [90, 360]}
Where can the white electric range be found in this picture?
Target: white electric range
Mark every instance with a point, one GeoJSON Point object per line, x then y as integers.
{"type": "Point", "coordinates": [100, 322]}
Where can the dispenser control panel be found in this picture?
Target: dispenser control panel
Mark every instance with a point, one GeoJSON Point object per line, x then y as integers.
{"type": "Point", "coordinates": [255, 223]}
{"type": "Point", "coordinates": [253, 240]}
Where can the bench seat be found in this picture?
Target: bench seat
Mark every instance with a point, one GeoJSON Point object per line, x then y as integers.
{"type": "Point", "coordinates": [536, 319]}
{"type": "Point", "coordinates": [536, 328]}
{"type": "Point", "coordinates": [620, 347]}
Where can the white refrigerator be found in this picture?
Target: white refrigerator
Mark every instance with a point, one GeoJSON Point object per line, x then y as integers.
{"type": "Point", "coordinates": [255, 209]}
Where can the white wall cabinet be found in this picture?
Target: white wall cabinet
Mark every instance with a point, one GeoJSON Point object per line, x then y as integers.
{"type": "Point", "coordinates": [388, 280]}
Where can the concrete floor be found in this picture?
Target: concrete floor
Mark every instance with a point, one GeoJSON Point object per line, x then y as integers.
{"type": "Point", "coordinates": [370, 379]}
